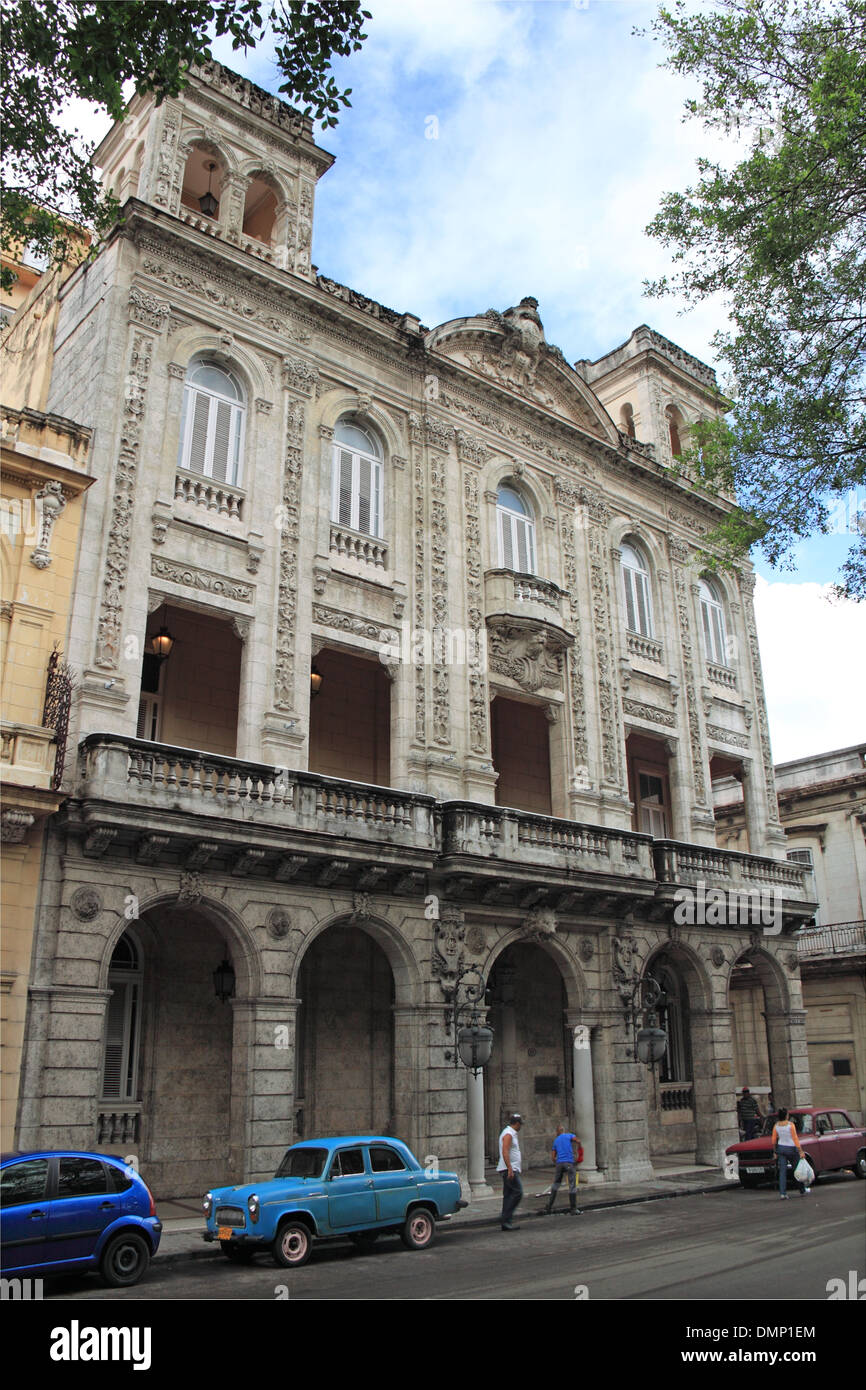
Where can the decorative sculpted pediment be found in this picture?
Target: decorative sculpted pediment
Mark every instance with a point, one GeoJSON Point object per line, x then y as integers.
{"type": "Point", "coordinates": [510, 349]}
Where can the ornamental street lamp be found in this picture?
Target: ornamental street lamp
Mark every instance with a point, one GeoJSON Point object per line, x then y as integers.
{"type": "Point", "coordinates": [207, 202]}
{"type": "Point", "coordinates": [650, 1041]}
{"type": "Point", "coordinates": [224, 981]}
{"type": "Point", "coordinates": [473, 1041]}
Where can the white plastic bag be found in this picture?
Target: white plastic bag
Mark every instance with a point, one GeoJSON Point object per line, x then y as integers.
{"type": "Point", "coordinates": [803, 1173]}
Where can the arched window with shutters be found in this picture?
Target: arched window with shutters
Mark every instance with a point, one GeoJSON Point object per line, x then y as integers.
{"type": "Point", "coordinates": [356, 480]}
{"type": "Point", "coordinates": [713, 623]}
{"type": "Point", "coordinates": [212, 423]}
{"type": "Point", "coordinates": [123, 1022]}
{"type": "Point", "coordinates": [636, 591]}
{"type": "Point", "coordinates": [516, 529]}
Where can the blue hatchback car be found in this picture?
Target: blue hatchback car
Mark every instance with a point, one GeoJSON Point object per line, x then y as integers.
{"type": "Point", "coordinates": [360, 1186]}
{"type": "Point", "coordinates": [69, 1211]}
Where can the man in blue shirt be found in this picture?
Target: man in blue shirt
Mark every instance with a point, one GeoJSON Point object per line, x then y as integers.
{"type": "Point", "coordinates": [564, 1156]}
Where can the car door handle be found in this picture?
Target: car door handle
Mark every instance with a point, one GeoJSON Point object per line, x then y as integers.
{"type": "Point", "coordinates": [106, 1206]}
{"type": "Point", "coordinates": [34, 1214]}
{"type": "Point", "coordinates": [370, 1182]}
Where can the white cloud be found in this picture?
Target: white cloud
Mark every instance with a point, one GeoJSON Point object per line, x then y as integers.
{"type": "Point", "coordinates": [813, 653]}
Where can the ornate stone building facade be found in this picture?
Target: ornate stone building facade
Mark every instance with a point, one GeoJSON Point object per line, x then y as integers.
{"type": "Point", "coordinates": [447, 688]}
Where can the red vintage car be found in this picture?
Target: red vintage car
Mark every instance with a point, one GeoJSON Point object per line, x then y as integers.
{"type": "Point", "coordinates": [829, 1139]}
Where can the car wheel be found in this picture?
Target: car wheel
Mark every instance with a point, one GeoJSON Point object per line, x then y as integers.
{"type": "Point", "coordinates": [293, 1245]}
{"type": "Point", "coordinates": [859, 1169]}
{"type": "Point", "coordinates": [365, 1240]}
{"type": "Point", "coordinates": [237, 1254]}
{"type": "Point", "coordinates": [418, 1229]}
{"type": "Point", "coordinates": [125, 1260]}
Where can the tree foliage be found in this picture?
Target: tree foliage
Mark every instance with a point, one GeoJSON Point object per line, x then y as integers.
{"type": "Point", "coordinates": [53, 51]}
{"type": "Point", "coordinates": [781, 235]}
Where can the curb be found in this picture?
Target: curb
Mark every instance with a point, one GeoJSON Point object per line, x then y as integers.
{"type": "Point", "coordinates": [209, 1251]}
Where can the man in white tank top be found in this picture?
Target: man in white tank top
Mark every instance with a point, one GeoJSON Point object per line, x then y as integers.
{"type": "Point", "coordinates": [509, 1166]}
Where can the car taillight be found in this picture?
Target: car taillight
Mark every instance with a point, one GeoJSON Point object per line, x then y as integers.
{"type": "Point", "coordinates": [152, 1211]}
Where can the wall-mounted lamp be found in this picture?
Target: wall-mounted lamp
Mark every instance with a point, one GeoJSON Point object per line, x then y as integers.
{"type": "Point", "coordinates": [316, 679]}
{"type": "Point", "coordinates": [207, 202]}
{"type": "Point", "coordinates": [161, 643]}
{"type": "Point", "coordinates": [224, 981]}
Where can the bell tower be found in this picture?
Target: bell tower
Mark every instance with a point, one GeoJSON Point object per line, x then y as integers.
{"type": "Point", "coordinates": [226, 158]}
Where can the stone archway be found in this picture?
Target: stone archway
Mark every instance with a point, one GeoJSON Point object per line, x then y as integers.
{"type": "Point", "coordinates": [531, 1069]}
{"type": "Point", "coordinates": [183, 1106]}
{"type": "Point", "coordinates": [344, 1063]}
{"type": "Point", "coordinates": [681, 1107]}
{"type": "Point", "coordinates": [768, 1058]}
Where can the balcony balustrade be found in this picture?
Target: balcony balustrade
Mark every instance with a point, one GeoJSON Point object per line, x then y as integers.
{"type": "Point", "coordinates": [840, 938]}
{"type": "Point", "coordinates": [728, 870]}
{"type": "Point", "coordinates": [522, 596]}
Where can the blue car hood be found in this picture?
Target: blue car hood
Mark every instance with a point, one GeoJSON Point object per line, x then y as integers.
{"type": "Point", "coordinates": [274, 1190]}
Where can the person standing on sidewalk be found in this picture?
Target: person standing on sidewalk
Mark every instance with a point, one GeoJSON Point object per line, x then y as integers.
{"type": "Point", "coordinates": [786, 1147]}
{"type": "Point", "coordinates": [750, 1114]}
{"type": "Point", "coordinates": [509, 1166]}
{"type": "Point", "coordinates": [566, 1154]}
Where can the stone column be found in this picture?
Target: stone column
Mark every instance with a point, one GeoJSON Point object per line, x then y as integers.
{"type": "Point", "coordinates": [263, 1080]}
{"type": "Point", "coordinates": [713, 1086]}
{"type": "Point", "coordinates": [789, 1062]}
{"type": "Point", "coordinates": [478, 1185]}
{"type": "Point", "coordinates": [583, 1101]}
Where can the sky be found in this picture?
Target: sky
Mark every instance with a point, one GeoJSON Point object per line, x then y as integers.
{"type": "Point", "coordinates": [502, 148]}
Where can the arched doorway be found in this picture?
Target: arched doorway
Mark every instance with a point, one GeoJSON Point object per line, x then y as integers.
{"type": "Point", "coordinates": [530, 1070]}
{"type": "Point", "coordinates": [671, 1084]}
{"type": "Point", "coordinates": [170, 1095]}
{"type": "Point", "coordinates": [762, 1049]}
{"type": "Point", "coordinates": [345, 1037]}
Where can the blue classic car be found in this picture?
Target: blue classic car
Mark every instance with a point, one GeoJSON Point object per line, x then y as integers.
{"type": "Point", "coordinates": [355, 1185]}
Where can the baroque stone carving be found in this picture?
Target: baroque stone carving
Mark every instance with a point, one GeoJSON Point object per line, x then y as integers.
{"type": "Point", "coordinates": [191, 888]}
{"type": "Point", "coordinates": [147, 309]}
{"type": "Point", "coordinates": [449, 933]}
{"type": "Point", "coordinates": [529, 653]}
{"type": "Point", "coordinates": [290, 531]}
{"type": "Point", "coordinates": [717, 956]}
{"type": "Point", "coordinates": [680, 555]}
{"type": "Point", "coordinates": [50, 502]}
{"type": "Point", "coordinates": [723, 735]}
{"type": "Point", "coordinates": [586, 950]}
{"type": "Point", "coordinates": [419, 568]}
{"type": "Point", "coordinates": [439, 588]}
{"type": "Point", "coordinates": [608, 694]}
{"type": "Point", "coordinates": [575, 665]}
{"type": "Point", "coordinates": [358, 627]}
{"type": "Point", "coordinates": [626, 963]}
{"type": "Point", "coordinates": [475, 940]}
{"type": "Point", "coordinates": [120, 524]}
{"type": "Point", "coordinates": [279, 923]}
{"type": "Point", "coordinates": [640, 710]}
{"type": "Point", "coordinates": [360, 906]}
{"type": "Point", "coordinates": [478, 698]}
{"type": "Point", "coordinates": [470, 449]}
{"type": "Point", "coordinates": [539, 922]}
{"type": "Point", "coordinates": [299, 376]}
{"type": "Point", "coordinates": [86, 904]}
{"type": "Point", "coordinates": [205, 581]}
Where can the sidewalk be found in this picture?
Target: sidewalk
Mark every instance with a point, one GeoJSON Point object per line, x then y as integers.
{"type": "Point", "coordinates": [182, 1222]}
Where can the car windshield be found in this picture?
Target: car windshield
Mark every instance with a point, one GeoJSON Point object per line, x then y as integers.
{"type": "Point", "coordinates": [302, 1163]}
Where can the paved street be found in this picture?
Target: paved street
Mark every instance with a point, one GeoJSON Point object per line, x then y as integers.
{"type": "Point", "coordinates": [729, 1244]}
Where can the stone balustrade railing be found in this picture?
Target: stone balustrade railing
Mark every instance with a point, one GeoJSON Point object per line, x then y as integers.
{"type": "Point", "coordinates": [647, 648]}
{"type": "Point", "coordinates": [216, 498]}
{"type": "Point", "coordinates": [161, 777]}
{"type": "Point", "coordinates": [356, 546]}
{"type": "Point", "coordinates": [523, 837]}
{"type": "Point", "coordinates": [725, 869]}
{"type": "Point", "coordinates": [721, 675]}
{"type": "Point", "coordinates": [530, 589]}
{"type": "Point", "coordinates": [676, 1095]}
{"type": "Point", "coordinates": [119, 1123]}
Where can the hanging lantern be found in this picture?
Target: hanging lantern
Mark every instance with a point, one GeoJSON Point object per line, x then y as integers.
{"type": "Point", "coordinates": [207, 202]}
{"type": "Point", "coordinates": [162, 643]}
{"type": "Point", "coordinates": [224, 981]}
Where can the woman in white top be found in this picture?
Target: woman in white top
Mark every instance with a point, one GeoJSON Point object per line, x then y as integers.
{"type": "Point", "coordinates": [787, 1148]}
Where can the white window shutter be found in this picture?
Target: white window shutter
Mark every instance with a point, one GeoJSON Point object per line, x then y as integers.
{"type": "Point", "coordinates": [221, 441]}
{"type": "Point", "coordinates": [364, 495]}
{"type": "Point", "coordinates": [197, 456]}
{"type": "Point", "coordinates": [115, 1030]}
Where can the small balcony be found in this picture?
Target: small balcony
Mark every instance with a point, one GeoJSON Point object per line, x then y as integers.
{"type": "Point", "coordinates": [522, 596]}
{"type": "Point", "coordinates": [732, 873]}
{"type": "Point", "coordinates": [28, 755]}
{"type": "Point", "coordinates": [839, 939]}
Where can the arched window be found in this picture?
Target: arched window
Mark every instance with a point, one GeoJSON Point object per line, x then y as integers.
{"type": "Point", "coordinates": [260, 210]}
{"type": "Point", "coordinates": [516, 531]}
{"type": "Point", "coordinates": [212, 423]}
{"type": "Point", "coordinates": [713, 624]}
{"type": "Point", "coordinates": [675, 429]}
{"type": "Point", "coordinates": [636, 591]}
{"type": "Point", "coordinates": [122, 1022]}
{"type": "Point", "coordinates": [202, 181]}
{"type": "Point", "coordinates": [626, 417]}
{"type": "Point", "coordinates": [356, 480]}
{"type": "Point", "coordinates": [673, 1012]}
